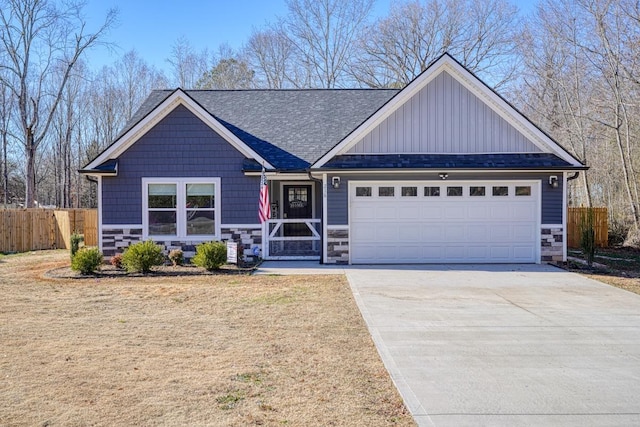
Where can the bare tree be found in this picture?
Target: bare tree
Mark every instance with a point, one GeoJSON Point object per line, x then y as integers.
{"type": "Point", "coordinates": [6, 113]}
{"type": "Point", "coordinates": [481, 34]}
{"type": "Point", "coordinates": [271, 54]}
{"type": "Point", "coordinates": [36, 36]}
{"type": "Point", "coordinates": [324, 33]}
{"type": "Point", "coordinates": [187, 65]}
{"type": "Point", "coordinates": [580, 81]}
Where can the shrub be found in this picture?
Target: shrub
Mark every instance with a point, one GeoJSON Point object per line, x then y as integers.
{"type": "Point", "coordinates": [75, 243]}
{"type": "Point", "coordinates": [588, 236]}
{"type": "Point", "coordinates": [86, 260]}
{"type": "Point", "coordinates": [116, 260]}
{"type": "Point", "coordinates": [177, 257]}
{"type": "Point", "coordinates": [141, 256]}
{"type": "Point", "coordinates": [210, 255]}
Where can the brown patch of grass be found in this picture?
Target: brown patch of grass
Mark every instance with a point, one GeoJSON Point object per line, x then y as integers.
{"type": "Point", "coordinates": [192, 350]}
{"type": "Point", "coordinates": [631, 284]}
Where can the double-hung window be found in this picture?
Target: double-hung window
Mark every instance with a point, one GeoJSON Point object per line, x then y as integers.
{"type": "Point", "coordinates": [181, 208]}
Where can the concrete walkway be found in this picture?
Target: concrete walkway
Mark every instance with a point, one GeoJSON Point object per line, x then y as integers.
{"type": "Point", "coordinates": [299, 267]}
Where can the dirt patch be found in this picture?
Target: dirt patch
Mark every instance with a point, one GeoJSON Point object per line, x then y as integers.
{"type": "Point", "coordinates": [186, 350]}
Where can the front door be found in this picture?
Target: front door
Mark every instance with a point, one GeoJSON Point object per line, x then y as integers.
{"type": "Point", "coordinates": [297, 204]}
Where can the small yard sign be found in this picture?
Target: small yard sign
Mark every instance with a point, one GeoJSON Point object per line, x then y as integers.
{"type": "Point", "coordinates": [232, 252]}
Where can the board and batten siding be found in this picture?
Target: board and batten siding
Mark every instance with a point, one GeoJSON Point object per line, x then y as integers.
{"type": "Point", "coordinates": [338, 199]}
{"type": "Point", "coordinates": [180, 145]}
{"type": "Point", "coordinates": [444, 117]}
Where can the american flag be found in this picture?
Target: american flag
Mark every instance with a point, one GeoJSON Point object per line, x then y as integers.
{"type": "Point", "coordinates": [264, 209]}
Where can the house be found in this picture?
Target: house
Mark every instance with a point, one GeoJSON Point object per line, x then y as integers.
{"type": "Point", "coordinates": [444, 170]}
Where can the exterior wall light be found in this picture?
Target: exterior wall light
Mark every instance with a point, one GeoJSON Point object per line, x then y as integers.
{"type": "Point", "coordinates": [335, 182]}
{"type": "Point", "coordinates": [553, 181]}
{"type": "Point", "coordinates": [443, 176]}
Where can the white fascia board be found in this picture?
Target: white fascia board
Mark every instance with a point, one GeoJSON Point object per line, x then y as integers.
{"type": "Point", "coordinates": [475, 86]}
{"type": "Point", "coordinates": [178, 97]}
{"type": "Point", "coordinates": [318, 172]}
{"type": "Point", "coordinates": [282, 176]}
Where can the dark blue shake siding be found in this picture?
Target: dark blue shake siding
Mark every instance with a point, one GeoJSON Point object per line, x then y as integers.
{"type": "Point", "coordinates": [181, 145]}
{"type": "Point", "coordinates": [337, 200]}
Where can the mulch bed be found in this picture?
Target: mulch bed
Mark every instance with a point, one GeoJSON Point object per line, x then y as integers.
{"type": "Point", "coordinates": [107, 271]}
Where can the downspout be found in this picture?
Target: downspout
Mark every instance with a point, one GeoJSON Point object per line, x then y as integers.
{"type": "Point", "coordinates": [574, 176]}
{"type": "Point", "coordinates": [321, 218]}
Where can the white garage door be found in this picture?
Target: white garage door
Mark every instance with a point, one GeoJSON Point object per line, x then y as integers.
{"type": "Point", "coordinates": [437, 222]}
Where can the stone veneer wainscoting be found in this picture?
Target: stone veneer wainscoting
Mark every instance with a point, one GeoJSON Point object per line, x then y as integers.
{"type": "Point", "coordinates": [247, 237]}
{"type": "Point", "coordinates": [116, 240]}
{"type": "Point", "coordinates": [551, 244]}
{"type": "Point", "coordinates": [337, 245]}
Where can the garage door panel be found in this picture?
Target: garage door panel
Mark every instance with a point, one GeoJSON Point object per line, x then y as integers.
{"type": "Point", "coordinates": [455, 253]}
{"type": "Point", "coordinates": [523, 252]}
{"type": "Point", "coordinates": [500, 233]}
{"type": "Point", "coordinates": [386, 212]}
{"type": "Point", "coordinates": [452, 212]}
{"type": "Point", "coordinates": [408, 233]}
{"type": "Point", "coordinates": [524, 212]}
{"type": "Point", "coordinates": [362, 211]}
{"type": "Point", "coordinates": [445, 228]}
{"type": "Point", "coordinates": [523, 232]}
{"type": "Point", "coordinates": [432, 232]}
{"type": "Point", "coordinates": [386, 233]}
{"type": "Point", "coordinates": [477, 232]}
{"type": "Point", "coordinates": [430, 212]}
{"type": "Point", "coordinates": [477, 253]}
{"type": "Point", "coordinates": [454, 233]}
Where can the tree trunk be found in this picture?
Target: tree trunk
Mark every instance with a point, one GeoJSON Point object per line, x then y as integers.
{"type": "Point", "coordinates": [30, 147]}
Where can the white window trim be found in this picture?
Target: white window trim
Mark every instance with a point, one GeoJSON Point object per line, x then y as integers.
{"type": "Point", "coordinates": [181, 212]}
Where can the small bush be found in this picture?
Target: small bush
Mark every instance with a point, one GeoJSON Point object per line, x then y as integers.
{"type": "Point", "coordinates": [588, 236]}
{"type": "Point", "coordinates": [177, 257]}
{"type": "Point", "coordinates": [210, 255]}
{"type": "Point", "coordinates": [75, 243]}
{"type": "Point", "coordinates": [141, 256]}
{"type": "Point", "coordinates": [116, 260]}
{"type": "Point", "coordinates": [86, 260]}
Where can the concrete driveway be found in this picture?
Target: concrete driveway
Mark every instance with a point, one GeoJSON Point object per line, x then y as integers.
{"type": "Point", "coordinates": [505, 345]}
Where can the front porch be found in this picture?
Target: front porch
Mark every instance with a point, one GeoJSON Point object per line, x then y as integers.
{"type": "Point", "coordinates": [295, 228]}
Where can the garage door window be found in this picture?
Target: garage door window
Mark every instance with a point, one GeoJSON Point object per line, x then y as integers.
{"type": "Point", "coordinates": [363, 191]}
{"type": "Point", "coordinates": [454, 191]}
{"type": "Point", "coordinates": [386, 191]}
{"type": "Point", "coordinates": [523, 191]}
{"type": "Point", "coordinates": [476, 191]}
{"type": "Point", "coordinates": [500, 191]}
{"type": "Point", "coordinates": [431, 191]}
{"type": "Point", "coordinates": [409, 191]}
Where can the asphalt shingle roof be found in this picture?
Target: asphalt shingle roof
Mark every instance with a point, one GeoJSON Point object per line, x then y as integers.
{"type": "Point", "coordinates": [289, 128]}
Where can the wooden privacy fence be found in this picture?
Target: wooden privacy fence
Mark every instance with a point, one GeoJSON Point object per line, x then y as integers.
{"type": "Point", "coordinates": [600, 223]}
{"type": "Point", "coordinates": [34, 229]}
